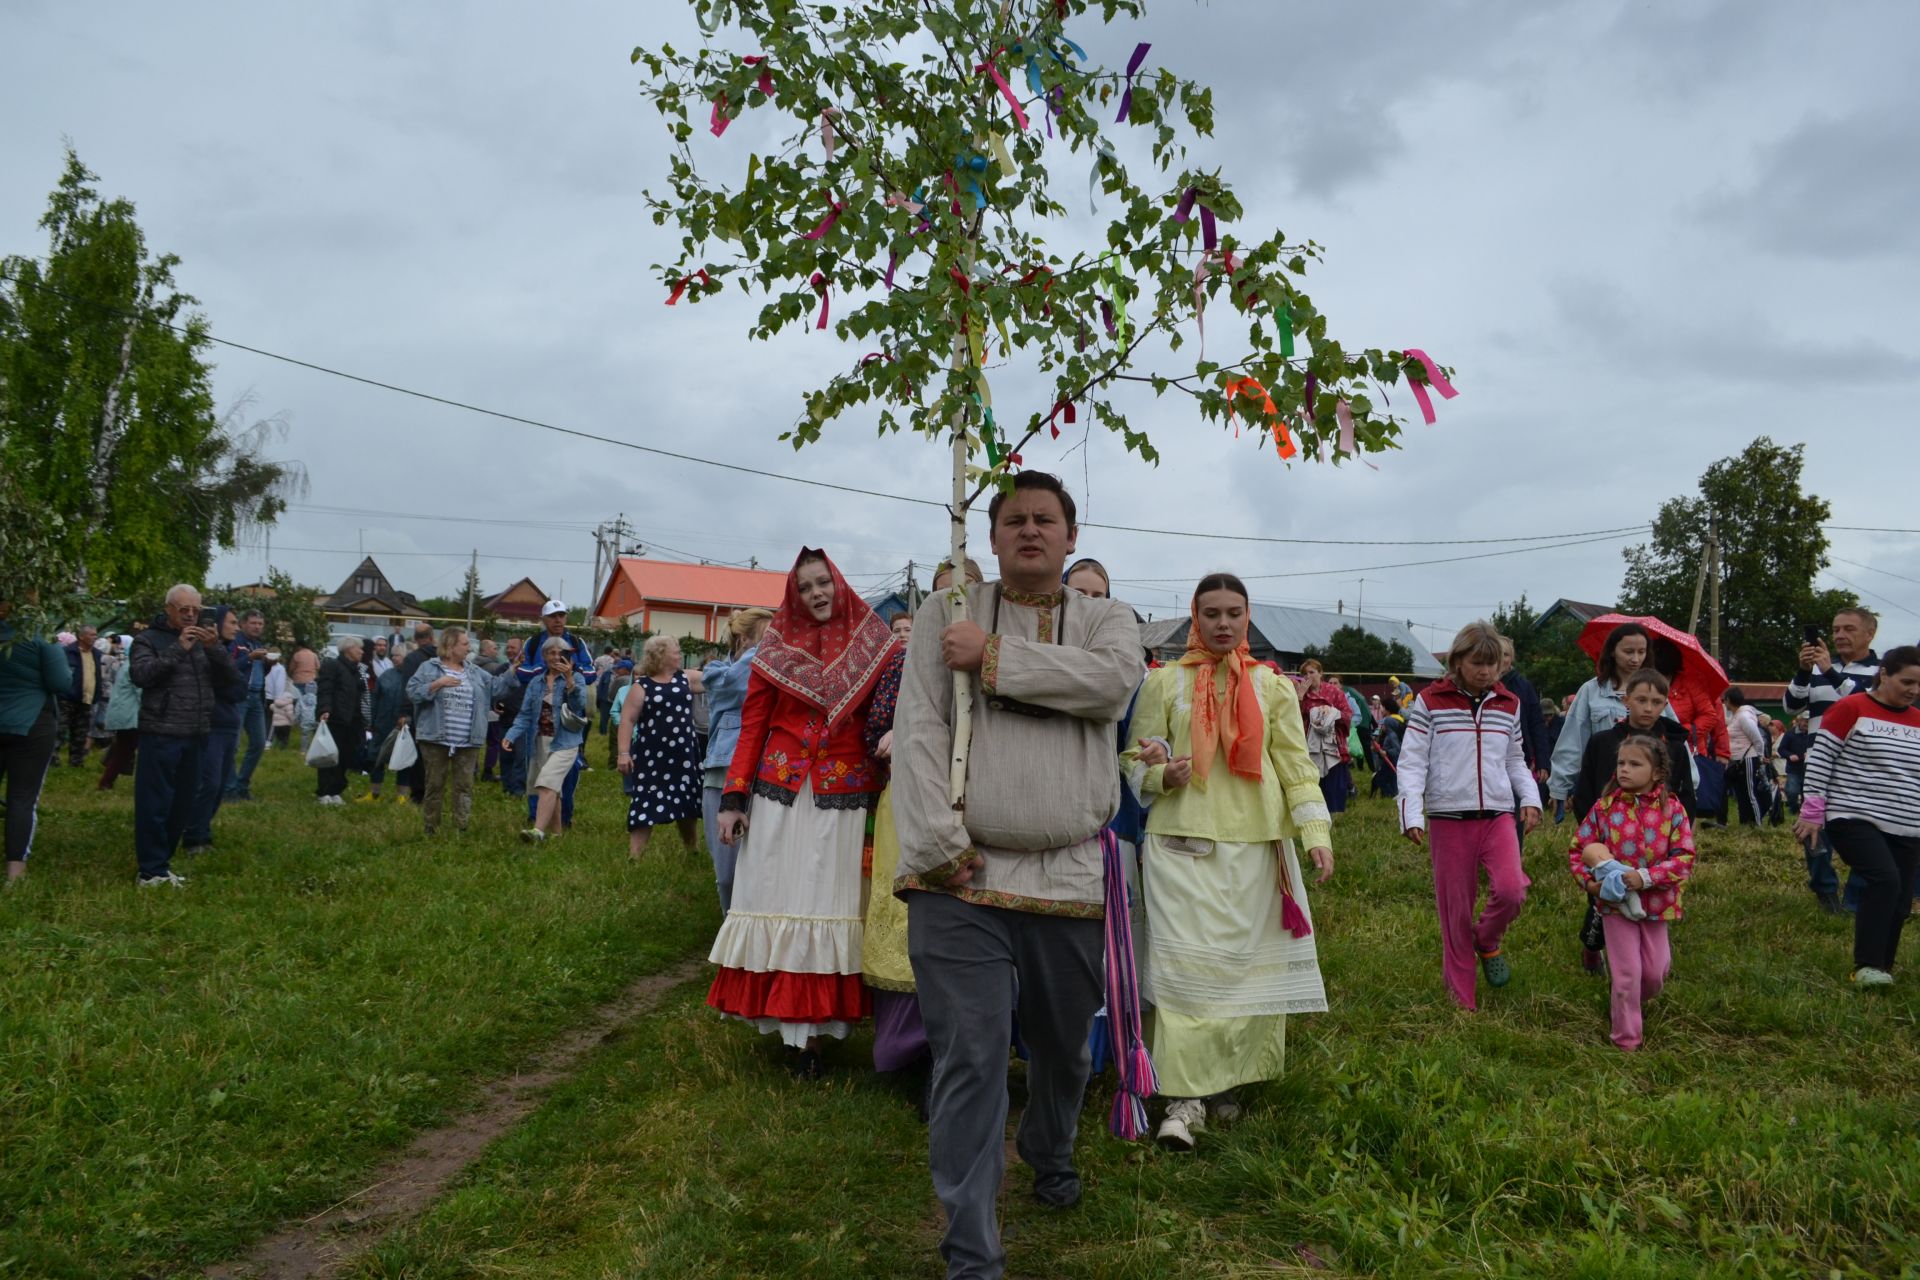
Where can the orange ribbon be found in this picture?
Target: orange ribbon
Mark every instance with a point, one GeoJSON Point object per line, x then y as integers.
{"type": "Point", "coordinates": [1283, 441]}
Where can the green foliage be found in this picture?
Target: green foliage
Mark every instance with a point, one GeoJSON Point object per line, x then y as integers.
{"type": "Point", "coordinates": [106, 412]}
{"type": "Point", "coordinates": [911, 104]}
{"type": "Point", "coordinates": [37, 564]}
{"type": "Point", "coordinates": [1772, 544]}
{"type": "Point", "coordinates": [292, 616]}
{"type": "Point", "coordinates": [1354, 651]}
{"type": "Point", "coordinates": [1550, 656]}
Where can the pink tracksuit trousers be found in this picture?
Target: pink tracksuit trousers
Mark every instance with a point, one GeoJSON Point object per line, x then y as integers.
{"type": "Point", "coordinates": [1461, 848]}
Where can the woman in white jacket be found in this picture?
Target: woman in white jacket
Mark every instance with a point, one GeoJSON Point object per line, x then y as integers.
{"type": "Point", "coordinates": [1463, 773]}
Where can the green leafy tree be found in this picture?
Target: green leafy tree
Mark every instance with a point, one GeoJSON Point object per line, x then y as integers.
{"type": "Point", "coordinates": [37, 565]}
{"type": "Point", "coordinates": [106, 405]}
{"type": "Point", "coordinates": [916, 197]}
{"type": "Point", "coordinates": [1772, 544]}
{"type": "Point", "coordinates": [1550, 656]}
{"type": "Point", "coordinates": [1355, 651]}
{"type": "Point", "coordinates": [291, 615]}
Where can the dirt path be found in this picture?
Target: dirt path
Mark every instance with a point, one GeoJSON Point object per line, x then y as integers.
{"type": "Point", "coordinates": [324, 1244]}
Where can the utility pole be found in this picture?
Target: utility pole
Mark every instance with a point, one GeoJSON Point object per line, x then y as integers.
{"type": "Point", "coordinates": [1362, 606]}
{"type": "Point", "coordinates": [1713, 586]}
{"type": "Point", "coordinates": [473, 579]}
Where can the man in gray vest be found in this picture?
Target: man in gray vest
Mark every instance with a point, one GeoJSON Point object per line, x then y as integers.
{"type": "Point", "coordinates": [1008, 895]}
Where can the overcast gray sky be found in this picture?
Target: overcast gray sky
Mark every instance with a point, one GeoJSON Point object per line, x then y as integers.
{"type": "Point", "coordinates": [1643, 233]}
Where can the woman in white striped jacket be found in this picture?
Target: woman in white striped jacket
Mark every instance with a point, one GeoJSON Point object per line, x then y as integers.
{"type": "Point", "coordinates": [1863, 787]}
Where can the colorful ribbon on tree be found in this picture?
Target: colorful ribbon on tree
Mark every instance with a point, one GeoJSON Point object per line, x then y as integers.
{"type": "Point", "coordinates": [1283, 440]}
{"type": "Point", "coordinates": [1133, 66]}
{"type": "Point", "coordinates": [1132, 1062]}
{"type": "Point", "coordinates": [1061, 407]}
{"type": "Point", "coordinates": [680, 285]}
{"type": "Point", "coordinates": [826, 223]}
{"type": "Point", "coordinates": [1435, 378]}
{"type": "Point", "coordinates": [1343, 416]}
{"type": "Point", "coordinates": [992, 68]}
{"type": "Point", "coordinates": [824, 288]}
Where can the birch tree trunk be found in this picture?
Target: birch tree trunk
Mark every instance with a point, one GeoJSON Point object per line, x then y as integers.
{"type": "Point", "coordinates": [106, 445]}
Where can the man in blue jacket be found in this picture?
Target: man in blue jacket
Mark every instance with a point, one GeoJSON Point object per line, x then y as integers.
{"type": "Point", "coordinates": [253, 714]}
{"type": "Point", "coordinates": [533, 665]}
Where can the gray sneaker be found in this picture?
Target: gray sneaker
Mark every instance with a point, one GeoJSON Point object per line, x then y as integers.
{"type": "Point", "coordinates": [1185, 1118]}
{"type": "Point", "coordinates": [165, 880]}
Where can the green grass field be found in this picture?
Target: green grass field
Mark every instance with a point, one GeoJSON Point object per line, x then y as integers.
{"type": "Point", "coordinates": [185, 1072]}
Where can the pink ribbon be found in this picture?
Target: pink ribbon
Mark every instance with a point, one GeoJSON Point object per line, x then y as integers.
{"type": "Point", "coordinates": [821, 286]}
{"type": "Point", "coordinates": [765, 83]}
{"type": "Point", "coordinates": [1343, 415]}
{"type": "Point", "coordinates": [1435, 378]}
{"type": "Point", "coordinates": [1133, 66]}
{"type": "Point", "coordinates": [826, 223]}
{"type": "Point", "coordinates": [719, 122]}
{"type": "Point", "coordinates": [1232, 264]}
{"type": "Point", "coordinates": [1006, 91]}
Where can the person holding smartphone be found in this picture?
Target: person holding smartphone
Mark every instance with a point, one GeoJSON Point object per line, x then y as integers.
{"type": "Point", "coordinates": [172, 662]}
{"type": "Point", "coordinates": [1826, 675]}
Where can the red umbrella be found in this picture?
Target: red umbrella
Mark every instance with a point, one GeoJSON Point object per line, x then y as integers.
{"type": "Point", "coordinates": [1700, 676]}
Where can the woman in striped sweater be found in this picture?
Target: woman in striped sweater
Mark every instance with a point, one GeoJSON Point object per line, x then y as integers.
{"type": "Point", "coordinates": [1863, 786]}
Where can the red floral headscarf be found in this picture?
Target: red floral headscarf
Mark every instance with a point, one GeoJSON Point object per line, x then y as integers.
{"type": "Point", "coordinates": [833, 664]}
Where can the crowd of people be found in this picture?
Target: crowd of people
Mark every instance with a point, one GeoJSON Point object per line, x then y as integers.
{"type": "Point", "coordinates": [925, 822]}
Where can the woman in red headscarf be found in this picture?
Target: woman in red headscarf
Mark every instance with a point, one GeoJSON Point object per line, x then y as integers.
{"type": "Point", "coordinates": [802, 782]}
{"type": "Point", "coordinates": [1230, 949]}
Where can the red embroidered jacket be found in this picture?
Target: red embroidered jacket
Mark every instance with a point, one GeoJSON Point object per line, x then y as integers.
{"type": "Point", "coordinates": [784, 742]}
{"type": "Point", "coordinates": [1648, 832]}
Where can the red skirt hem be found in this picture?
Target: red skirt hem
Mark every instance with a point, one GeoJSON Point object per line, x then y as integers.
{"type": "Point", "coordinates": [790, 997]}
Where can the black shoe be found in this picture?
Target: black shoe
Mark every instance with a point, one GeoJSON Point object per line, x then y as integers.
{"type": "Point", "coordinates": [807, 1065]}
{"type": "Point", "coordinates": [1061, 1191]}
{"type": "Point", "coordinates": [1830, 903]}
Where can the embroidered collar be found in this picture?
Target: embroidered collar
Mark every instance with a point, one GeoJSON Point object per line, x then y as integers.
{"type": "Point", "coordinates": [1031, 599]}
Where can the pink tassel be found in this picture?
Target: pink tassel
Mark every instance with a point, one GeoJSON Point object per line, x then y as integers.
{"type": "Point", "coordinates": [1292, 918]}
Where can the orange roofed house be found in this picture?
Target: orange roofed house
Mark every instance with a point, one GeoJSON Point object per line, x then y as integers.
{"type": "Point", "coordinates": [684, 599]}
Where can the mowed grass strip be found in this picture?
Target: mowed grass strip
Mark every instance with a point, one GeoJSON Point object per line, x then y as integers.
{"type": "Point", "coordinates": [183, 1071]}
{"type": "Point", "coordinates": [1767, 1130]}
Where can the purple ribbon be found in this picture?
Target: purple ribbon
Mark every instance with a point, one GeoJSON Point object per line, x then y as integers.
{"type": "Point", "coordinates": [1133, 65]}
{"type": "Point", "coordinates": [1313, 385]}
{"type": "Point", "coordinates": [1106, 313]}
{"type": "Point", "coordinates": [1209, 234]}
{"type": "Point", "coordinates": [1132, 1062]}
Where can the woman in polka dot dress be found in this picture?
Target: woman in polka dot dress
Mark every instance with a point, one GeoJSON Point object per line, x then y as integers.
{"type": "Point", "coordinates": [661, 753]}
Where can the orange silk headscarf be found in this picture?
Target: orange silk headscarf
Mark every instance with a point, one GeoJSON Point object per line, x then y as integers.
{"type": "Point", "coordinates": [1228, 719]}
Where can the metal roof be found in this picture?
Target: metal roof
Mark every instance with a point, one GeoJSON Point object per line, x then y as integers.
{"type": "Point", "coordinates": [1293, 631]}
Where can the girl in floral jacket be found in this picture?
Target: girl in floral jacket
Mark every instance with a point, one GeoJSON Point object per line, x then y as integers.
{"type": "Point", "coordinates": [1641, 823]}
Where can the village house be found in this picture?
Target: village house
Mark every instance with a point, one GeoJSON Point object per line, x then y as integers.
{"type": "Point", "coordinates": [684, 600]}
{"type": "Point", "coordinates": [367, 604]}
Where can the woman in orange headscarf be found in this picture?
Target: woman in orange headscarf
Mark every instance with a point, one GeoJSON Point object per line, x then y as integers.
{"type": "Point", "coordinates": [1230, 950]}
{"type": "Point", "coordinates": [802, 781]}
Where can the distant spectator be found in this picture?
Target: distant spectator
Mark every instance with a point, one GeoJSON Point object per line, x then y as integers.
{"type": "Point", "coordinates": [550, 727]}
{"type": "Point", "coordinates": [86, 688]}
{"type": "Point", "coordinates": [1793, 747]}
{"type": "Point", "coordinates": [123, 723]}
{"type": "Point", "coordinates": [414, 777]}
{"type": "Point", "coordinates": [34, 676]}
{"type": "Point", "coordinates": [553, 617]}
{"type": "Point", "coordinates": [223, 731]}
{"type": "Point", "coordinates": [172, 662]}
{"type": "Point", "coordinates": [343, 703]}
{"type": "Point", "coordinates": [454, 695]}
{"type": "Point", "coordinates": [381, 662]}
{"type": "Point", "coordinates": [303, 670]}
{"type": "Point", "coordinates": [250, 652]}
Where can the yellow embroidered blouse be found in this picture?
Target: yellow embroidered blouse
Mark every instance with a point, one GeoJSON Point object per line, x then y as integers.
{"type": "Point", "coordinates": [1285, 804]}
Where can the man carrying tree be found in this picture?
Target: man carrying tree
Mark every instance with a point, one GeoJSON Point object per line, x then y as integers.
{"type": "Point", "coordinates": [1008, 896]}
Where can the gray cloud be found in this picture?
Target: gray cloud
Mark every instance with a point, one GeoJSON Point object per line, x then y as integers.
{"type": "Point", "coordinates": [1843, 187]}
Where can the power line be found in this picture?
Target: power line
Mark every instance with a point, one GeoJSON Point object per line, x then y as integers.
{"type": "Point", "coordinates": [522, 420]}
{"type": "Point", "coordinates": [1863, 591]}
{"type": "Point", "coordinates": [1369, 568]}
{"type": "Point", "coordinates": [1870, 569]}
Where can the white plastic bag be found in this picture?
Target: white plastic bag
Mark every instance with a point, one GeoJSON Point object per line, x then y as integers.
{"type": "Point", "coordinates": [405, 754]}
{"type": "Point", "coordinates": [321, 752]}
